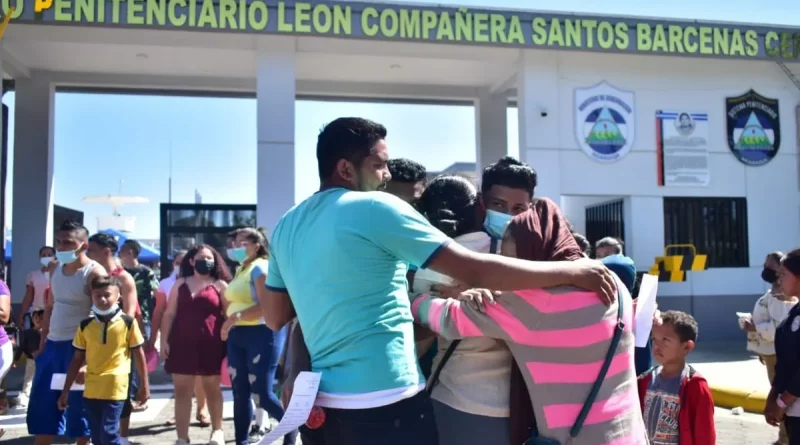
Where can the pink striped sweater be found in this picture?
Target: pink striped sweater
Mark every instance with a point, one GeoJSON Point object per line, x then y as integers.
{"type": "Point", "coordinates": [560, 338]}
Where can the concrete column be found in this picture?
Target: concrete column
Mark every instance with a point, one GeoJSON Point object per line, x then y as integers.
{"type": "Point", "coordinates": [32, 214]}
{"type": "Point", "coordinates": [539, 117]}
{"type": "Point", "coordinates": [644, 229]}
{"type": "Point", "coordinates": [275, 96]}
{"type": "Point", "coordinates": [491, 128]}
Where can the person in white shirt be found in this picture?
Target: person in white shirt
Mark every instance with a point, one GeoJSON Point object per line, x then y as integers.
{"type": "Point", "coordinates": [34, 301]}
{"type": "Point", "coordinates": [769, 311]}
{"type": "Point", "coordinates": [471, 391]}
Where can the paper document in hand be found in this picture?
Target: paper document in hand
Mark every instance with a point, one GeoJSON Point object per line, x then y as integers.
{"type": "Point", "coordinates": [304, 394]}
{"type": "Point", "coordinates": [58, 381]}
{"type": "Point", "coordinates": [645, 309]}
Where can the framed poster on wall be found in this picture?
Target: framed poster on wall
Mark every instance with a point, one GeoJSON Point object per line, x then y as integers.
{"type": "Point", "coordinates": [682, 148]}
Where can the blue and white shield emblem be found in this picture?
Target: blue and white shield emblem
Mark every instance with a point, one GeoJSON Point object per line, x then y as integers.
{"type": "Point", "coordinates": [605, 121]}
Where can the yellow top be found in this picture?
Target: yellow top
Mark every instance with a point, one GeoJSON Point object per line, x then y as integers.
{"type": "Point", "coordinates": [241, 291]}
{"type": "Point", "coordinates": [108, 347]}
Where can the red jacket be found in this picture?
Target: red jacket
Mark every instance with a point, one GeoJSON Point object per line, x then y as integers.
{"type": "Point", "coordinates": [696, 418]}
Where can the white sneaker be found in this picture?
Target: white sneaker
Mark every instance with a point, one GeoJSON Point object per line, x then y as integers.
{"type": "Point", "coordinates": [217, 438]}
{"type": "Point", "coordinates": [181, 442]}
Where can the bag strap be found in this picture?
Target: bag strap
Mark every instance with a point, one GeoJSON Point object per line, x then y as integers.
{"type": "Point", "coordinates": [612, 349]}
{"type": "Point", "coordinates": [435, 376]}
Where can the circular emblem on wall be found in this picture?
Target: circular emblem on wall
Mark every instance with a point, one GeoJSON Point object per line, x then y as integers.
{"type": "Point", "coordinates": [754, 128]}
{"type": "Point", "coordinates": [604, 121]}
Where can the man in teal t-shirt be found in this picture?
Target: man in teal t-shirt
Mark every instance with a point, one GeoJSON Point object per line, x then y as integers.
{"type": "Point", "coordinates": [356, 299]}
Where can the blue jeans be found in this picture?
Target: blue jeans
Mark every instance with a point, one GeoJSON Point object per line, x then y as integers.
{"type": "Point", "coordinates": [135, 380]}
{"type": "Point", "coordinates": [253, 353]}
{"type": "Point", "coordinates": [44, 417]}
{"type": "Point", "coordinates": [103, 416]}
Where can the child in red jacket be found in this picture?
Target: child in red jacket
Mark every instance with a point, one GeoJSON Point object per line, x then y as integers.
{"type": "Point", "coordinates": [676, 403]}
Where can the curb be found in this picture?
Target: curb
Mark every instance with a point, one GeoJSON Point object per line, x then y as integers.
{"type": "Point", "coordinates": [751, 401]}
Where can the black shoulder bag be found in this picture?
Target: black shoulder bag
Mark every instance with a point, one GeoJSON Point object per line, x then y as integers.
{"type": "Point", "coordinates": [535, 438]}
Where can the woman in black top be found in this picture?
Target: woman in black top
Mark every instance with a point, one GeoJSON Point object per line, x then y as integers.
{"type": "Point", "coordinates": [782, 401]}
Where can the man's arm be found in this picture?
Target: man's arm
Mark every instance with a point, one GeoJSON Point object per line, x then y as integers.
{"type": "Point", "coordinates": [489, 271]}
{"type": "Point", "coordinates": [411, 238]}
{"type": "Point", "coordinates": [27, 300]}
{"type": "Point", "coordinates": [48, 312]}
{"type": "Point", "coordinates": [74, 368]}
{"type": "Point", "coordinates": [277, 308]}
{"type": "Point", "coordinates": [128, 295]}
{"type": "Point", "coordinates": [135, 343]}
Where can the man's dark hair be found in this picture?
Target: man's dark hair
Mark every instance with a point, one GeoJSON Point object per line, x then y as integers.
{"type": "Point", "coordinates": [43, 248]}
{"type": "Point", "coordinates": [407, 171]}
{"type": "Point", "coordinates": [511, 173]}
{"type": "Point", "coordinates": [349, 138]}
{"type": "Point", "coordinates": [134, 247]}
{"type": "Point", "coordinates": [74, 226]}
{"type": "Point", "coordinates": [583, 243]}
{"type": "Point", "coordinates": [105, 281]}
{"type": "Point", "coordinates": [610, 241]}
{"type": "Point", "coordinates": [684, 324]}
{"type": "Point", "coordinates": [105, 240]}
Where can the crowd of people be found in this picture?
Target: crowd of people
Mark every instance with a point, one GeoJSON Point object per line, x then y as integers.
{"type": "Point", "coordinates": [437, 312]}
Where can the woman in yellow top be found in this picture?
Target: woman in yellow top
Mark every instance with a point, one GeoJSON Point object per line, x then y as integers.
{"type": "Point", "coordinates": [253, 349]}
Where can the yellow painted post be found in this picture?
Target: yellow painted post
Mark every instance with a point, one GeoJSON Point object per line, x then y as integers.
{"type": "Point", "coordinates": [5, 21]}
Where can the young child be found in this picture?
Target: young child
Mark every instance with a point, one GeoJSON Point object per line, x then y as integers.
{"type": "Point", "coordinates": [676, 402]}
{"type": "Point", "coordinates": [106, 341]}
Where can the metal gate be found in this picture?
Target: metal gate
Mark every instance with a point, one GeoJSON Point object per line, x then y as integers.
{"type": "Point", "coordinates": [604, 220]}
{"type": "Point", "coordinates": [185, 225]}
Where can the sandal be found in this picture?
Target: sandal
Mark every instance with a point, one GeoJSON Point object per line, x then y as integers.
{"type": "Point", "coordinates": [139, 408]}
{"type": "Point", "coordinates": [203, 420]}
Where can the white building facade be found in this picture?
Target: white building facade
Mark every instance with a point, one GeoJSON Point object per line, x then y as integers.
{"type": "Point", "coordinates": [588, 91]}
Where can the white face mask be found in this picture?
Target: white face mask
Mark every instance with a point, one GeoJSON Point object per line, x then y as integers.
{"type": "Point", "coordinates": [46, 260]}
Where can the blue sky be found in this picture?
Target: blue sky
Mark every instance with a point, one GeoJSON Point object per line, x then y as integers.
{"type": "Point", "coordinates": [101, 140]}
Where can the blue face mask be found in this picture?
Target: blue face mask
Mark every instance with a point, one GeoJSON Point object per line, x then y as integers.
{"type": "Point", "coordinates": [67, 257]}
{"type": "Point", "coordinates": [238, 254]}
{"type": "Point", "coordinates": [495, 223]}
{"type": "Point", "coordinates": [102, 313]}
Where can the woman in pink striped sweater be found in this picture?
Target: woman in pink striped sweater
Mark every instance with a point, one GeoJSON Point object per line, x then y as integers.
{"type": "Point", "coordinates": [560, 338]}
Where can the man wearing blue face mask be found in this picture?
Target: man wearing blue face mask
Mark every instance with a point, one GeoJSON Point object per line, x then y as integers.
{"type": "Point", "coordinates": [70, 304]}
{"type": "Point", "coordinates": [506, 191]}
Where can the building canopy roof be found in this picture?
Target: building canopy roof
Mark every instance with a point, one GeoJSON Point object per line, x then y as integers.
{"type": "Point", "coordinates": [420, 23]}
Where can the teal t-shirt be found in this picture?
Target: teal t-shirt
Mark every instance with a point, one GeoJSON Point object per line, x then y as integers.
{"type": "Point", "coordinates": [343, 256]}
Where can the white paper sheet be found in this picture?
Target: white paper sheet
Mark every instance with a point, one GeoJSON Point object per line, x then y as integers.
{"type": "Point", "coordinates": [304, 394]}
{"type": "Point", "coordinates": [58, 381]}
{"type": "Point", "coordinates": [645, 308]}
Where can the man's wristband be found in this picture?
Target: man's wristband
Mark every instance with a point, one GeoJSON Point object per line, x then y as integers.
{"type": "Point", "coordinates": [780, 402]}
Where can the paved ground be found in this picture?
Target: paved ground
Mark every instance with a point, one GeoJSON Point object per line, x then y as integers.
{"type": "Point", "coordinates": [726, 363]}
